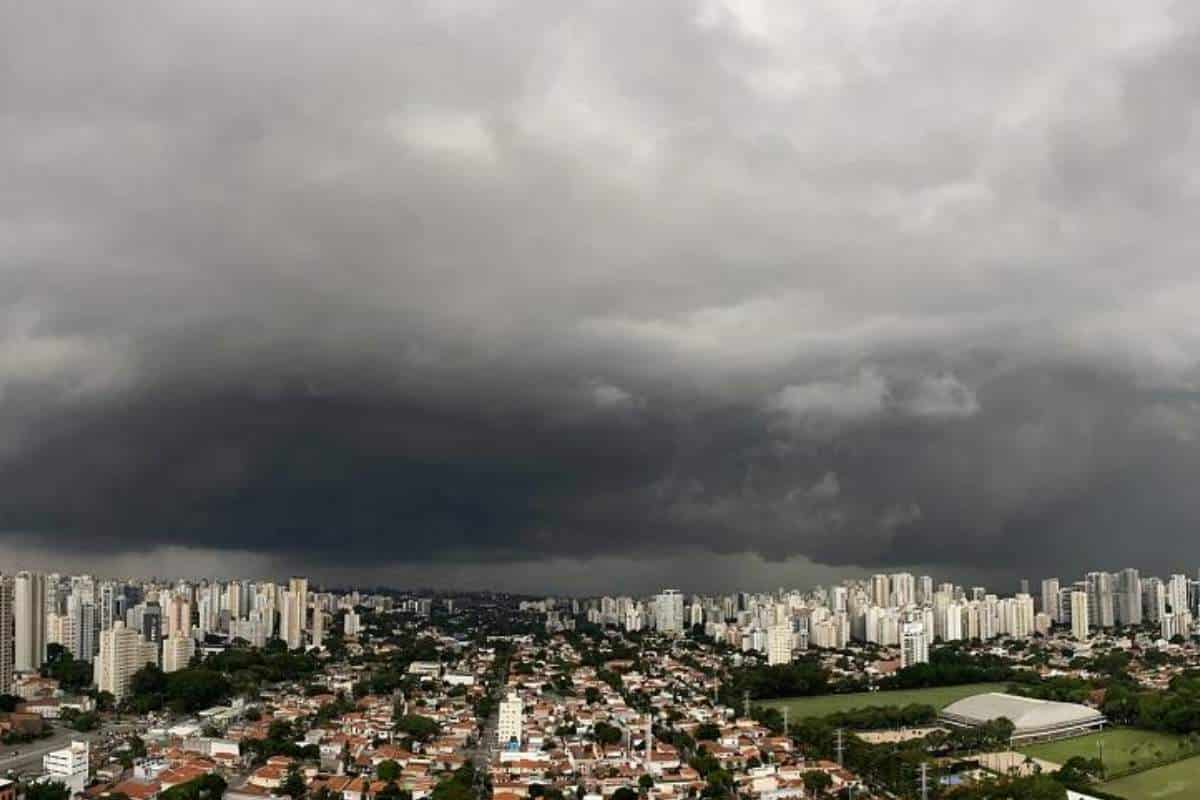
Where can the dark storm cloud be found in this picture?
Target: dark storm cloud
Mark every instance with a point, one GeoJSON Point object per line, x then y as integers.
{"type": "Point", "coordinates": [445, 283]}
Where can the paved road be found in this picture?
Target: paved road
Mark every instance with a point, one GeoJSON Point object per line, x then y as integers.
{"type": "Point", "coordinates": [29, 755]}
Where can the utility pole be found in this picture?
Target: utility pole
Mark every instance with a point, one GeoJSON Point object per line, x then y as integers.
{"type": "Point", "coordinates": [924, 781]}
{"type": "Point", "coordinates": [746, 703]}
{"type": "Point", "coordinates": [839, 746]}
{"type": "Point", "coordinates": [785, 724]}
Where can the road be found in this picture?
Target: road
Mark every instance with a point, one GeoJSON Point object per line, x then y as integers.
{"type": "Point", "coordinates": [29, 757]}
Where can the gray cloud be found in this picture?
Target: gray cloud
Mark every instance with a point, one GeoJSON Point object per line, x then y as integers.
{"type": "Point", "coordinates": [458, 283]}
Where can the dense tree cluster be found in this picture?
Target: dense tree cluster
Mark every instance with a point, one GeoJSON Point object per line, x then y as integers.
{"type": "Point", "coordinates": [184, 691]}
{"type": "Point", "coordinates": [950, 666]}
{"type": "Point", "coordinates": [72, 675]}
{"type": "Point", "coordinates": [802, 678]}
{"type": "Point", "coordinates": [420, 728]}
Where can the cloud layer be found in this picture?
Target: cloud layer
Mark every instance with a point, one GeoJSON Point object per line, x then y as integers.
{"type": "Point", "coordinates": [510, 282]}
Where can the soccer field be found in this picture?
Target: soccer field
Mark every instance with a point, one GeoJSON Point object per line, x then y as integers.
{"type": "Point", "coordinates": [1124, 748]}
{"type": "Point", "coordinates": [939, 697]}
{"type": "Point", "coordinates": [1172, 782]}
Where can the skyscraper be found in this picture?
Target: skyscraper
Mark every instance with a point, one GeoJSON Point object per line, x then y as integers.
{"type": "Point", "coordinates": [122, 653]}
{"type": "Point", "coordinates": [779, 644]}
{"type": "Point", "coordinates": [1100, 599]}
{"type": "Point", "coordinates": [668, 612]}
{"type": "Point", "coordinates": [914, 645]}
{"type": "Point", "coordinates": [29, 615]}
{"type": "Point", "coordinates": [1129, 597]}
{"type": "Point", "coordinates": [6, 634]}
{"type": "Point", "coordinates": [1079, 615]}
{"type": "Point", "coordinates": [297, 611]}
{"type": "Point", "coordinates": [509, 728]}
{"type": "Point", "coordinates": [1050, 598]}
{"type": "Point", "coordinates": [1177, 594]}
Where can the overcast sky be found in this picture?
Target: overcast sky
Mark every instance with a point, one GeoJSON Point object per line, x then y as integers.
{"type": "Point", "coordinates": [575, 296]}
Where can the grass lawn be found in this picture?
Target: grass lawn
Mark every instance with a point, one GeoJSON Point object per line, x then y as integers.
{"type": "Point", "coordinates": [1124, 748]}
{"type": "Point", "coordinates": [1172, 782]}
{"type": "Point", "coordinates": [939, 697]}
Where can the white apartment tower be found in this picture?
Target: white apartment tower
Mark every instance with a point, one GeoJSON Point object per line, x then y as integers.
{"type": "Point", "coordinates": [318, 628]}
{"type": "Point", "coordinates": [1079, 615]}
{"type": "Point", "coordinates": [29, 616]}
{"type": "Point", "coordinates": [914, 646]}
{"type": "Point", "coordinates": [779, 644]}
{"type": "Point", "coordinates": [668, 612]}
{"type": "Point", "coordinates": [177, 652]}
{"type": "Point", "coordinates": [512, 719]}
{"type": "Point", "coordinates": [122, 653]}
{"type": "Point", "coordinates": [297, 609]}
{"type": "Point", "coordinates": [1050, 588]}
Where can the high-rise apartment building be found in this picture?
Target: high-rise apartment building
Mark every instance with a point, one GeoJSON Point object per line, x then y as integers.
{"type": "Point", "coordinates": [1079, 615]}
{"type": "Point", "coordinates": [1100, 599]}
{"type": "Point", "coordinates": [297, 611]}
{"type": "Point", "coordinates": [509, 728]}
{"type": "Point", "coordinates": [179, 615]}
{"type": "Point", "coordinates": [914, 645]}
{"type": "Point", "coordinates": [668, 612]}
{"type": "Point", "coordinates": [779, 644]}
{"type": "Point", "coordinates": [881, 593]}
{"type": "Point", "coordinates": [318, 628]}
{"type": "Point", "coordinates": [1154, 599]}
{"type": "Point", "coordinates": [122, 653]}
{"type": "Point", "coordinates": [177, 652]}
{"type": "Point", "coordinates": [1177, 594]}
{"type": "Point", "coordinates": [1129, 597]}
{"type": "Point", "coordinates": [904, 591]}
{"type": "Point", "coordinates": [6, 634]}
{"type": "Point", "coordinates": [1050, 589]}
{"type": "Point", "coordinates": [29, 617]}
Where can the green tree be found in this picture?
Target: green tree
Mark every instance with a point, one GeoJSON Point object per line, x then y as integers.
{"type": "Point", "coordinates": [606, 734]}
{"type": "Point", "coordinates": [420, 728]}
{"type": "Point", "coordinates": [817, 782]}
{"type": "Point", "coordinates": [293, 785]}
{"type": "Point", "coordinates": [52, 790]}
{"type": "Point", "coordinates": [387, 771]}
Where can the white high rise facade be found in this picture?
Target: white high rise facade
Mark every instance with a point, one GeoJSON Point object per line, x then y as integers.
{"type": "Point", "coordinates": [779, 644]}
{"type": "Point", "coordinates": [914, 645]}
{"type": "Point", "coordinates": [296, 612]}
{"type": "Point", "coordinates": [177, 652]}
{"type": "Point", "coordinates": [512, 719]}
{"type": "Point", "coordinates": [29, 617]}
{"type": "Point", "coordinates": [668, 612]}
{"type": "Point", "coordinates": [1050, 588]}
{"type": "Point", "coordinates": [122, 653]}
{"type": "Point", "coordinates": [1079, 615]}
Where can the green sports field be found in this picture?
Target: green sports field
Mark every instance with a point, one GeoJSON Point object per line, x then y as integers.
{"type": "Point", "coordinates": [938, 697]}
{"type": "Point", "coordinates": [1124, 748]}
{"type": "Point", "coordinates": [1178, 781]}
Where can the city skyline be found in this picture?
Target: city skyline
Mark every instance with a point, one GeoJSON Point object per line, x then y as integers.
{"type": "Point", "coordinates": [559, 305]}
